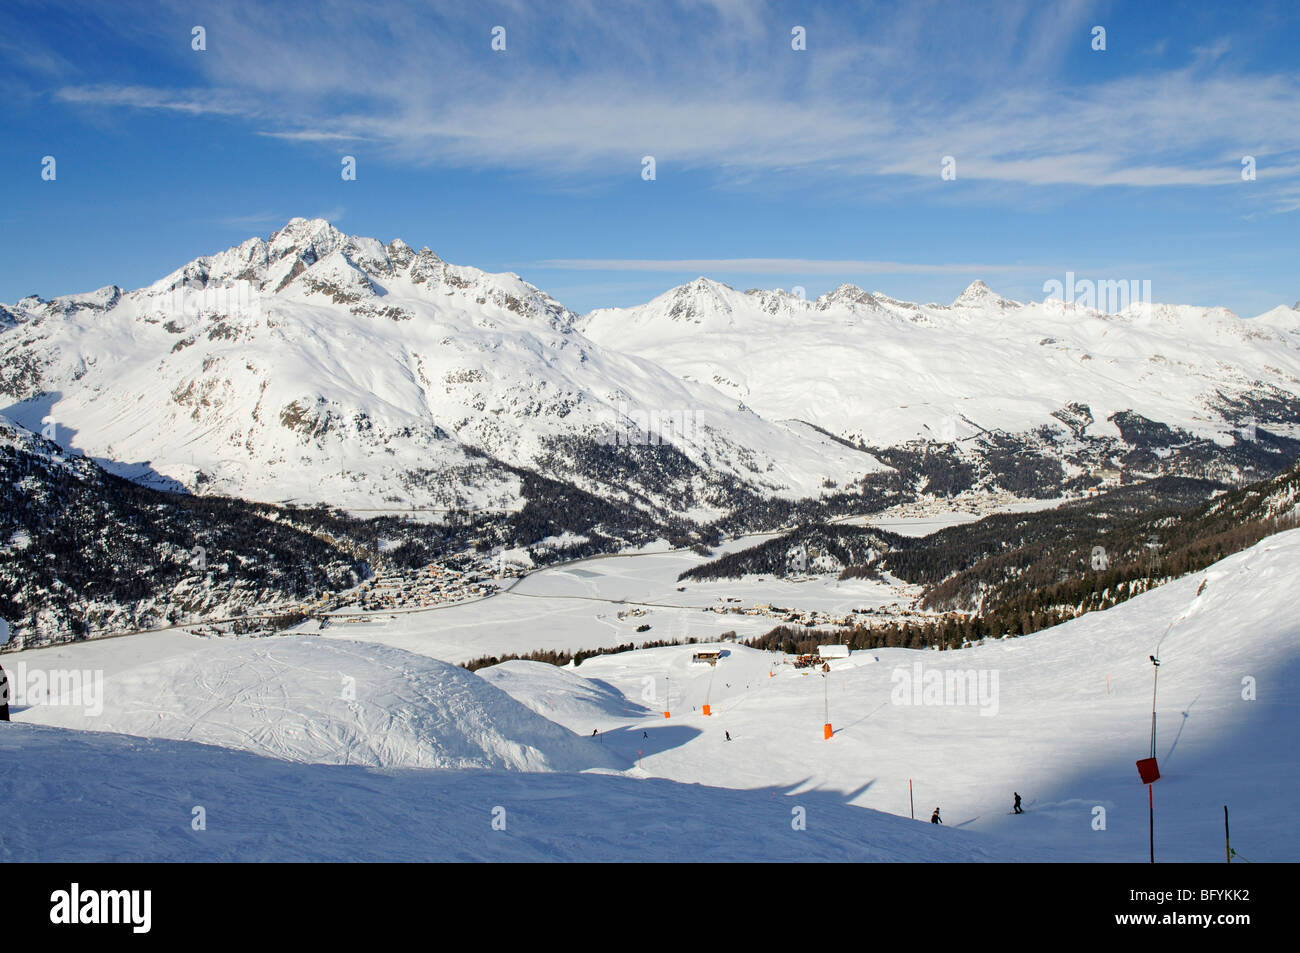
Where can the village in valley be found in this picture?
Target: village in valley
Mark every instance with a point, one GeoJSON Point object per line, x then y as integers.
{"type": "Point", "coordinates": [427, 588]}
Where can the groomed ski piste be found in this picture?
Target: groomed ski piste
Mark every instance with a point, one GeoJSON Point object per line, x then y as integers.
{"type": "Point", "coordinates": [304, 747]}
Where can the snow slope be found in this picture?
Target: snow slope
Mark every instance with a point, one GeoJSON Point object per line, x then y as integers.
{"type": "Point", "coordinates": [1070, 716]}
{"type": "Point", "coordinates": [315, 702]}
{"type": "Point", "coordinates": [1064, 715]}
{"type": "Point", "coordinates": [563, 694]}
{"type": "Point", "coordinates": [87, 796]}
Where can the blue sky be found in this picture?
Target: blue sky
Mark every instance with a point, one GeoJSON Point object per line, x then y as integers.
{"type": "Point", "coordinates": [774, 167]}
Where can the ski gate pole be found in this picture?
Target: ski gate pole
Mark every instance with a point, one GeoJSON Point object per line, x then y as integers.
{"type": "Point", "coordinates": [911, 805]}
{"type": "Point", "coordinates": [1151, 814]}
{"type": "Point", "coordinates": [1155, 678]}
{"type": "Point", "coordinates": [1227, 840]}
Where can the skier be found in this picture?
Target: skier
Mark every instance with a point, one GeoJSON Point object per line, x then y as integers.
{"type": "Point", "coordinates": [644, 735]}
{"type": "Point", "coordinates": [728, 734]}
{"type": "Point", "coordinates": [4, 695]}
{"type": "Point", "coordinates": [934, 818]}
{"type": "Point", "coordinates": [594, 732]}
{"type": "Point", "coordinates": [1016, 809]}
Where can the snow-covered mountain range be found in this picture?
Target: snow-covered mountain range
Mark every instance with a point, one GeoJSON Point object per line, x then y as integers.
{"type": "Point", "coordinates": [318, 367]}
{"type": "Point", "coordinates": [321, 367]}
{"type": "Point", "coordinates": [868, 367]}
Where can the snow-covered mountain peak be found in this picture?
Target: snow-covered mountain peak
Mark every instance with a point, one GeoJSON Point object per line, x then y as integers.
{"type": "Point", "coordinates": [691, 300]}
{"type": "Point", "coordinates": [702, 302]}
{"type": "Point", "coordinates": [302, 236]}
{"type": "Point", "coordinates": [897, 304]}
{"type": "Point", "coordinates": [1280, 317]}
{"type": "Point", "coordinates": [309, 259]}
{"type": "Point", "coordinates": [846, 294]}
{"type": "Point", "coordinates": [401, 254]}
{"type": "Point", "coordinates": [980, 295]}
{"type": "Point", "coordinates": [99, 300]}
{"type": "Point", "coordinates": [777, 302]}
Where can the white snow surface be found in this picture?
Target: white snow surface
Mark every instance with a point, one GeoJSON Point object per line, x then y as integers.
{"type": "Point", "coordinates": [315, 702]}
{"type": "Point", "coordinates": [90, 797]}
{"type": "Point", "coordinates": [564, 695]}
{"type": "Point", "coordinates": [577, 605]}
{"type": "Point", "coordinates": [1069, 718]}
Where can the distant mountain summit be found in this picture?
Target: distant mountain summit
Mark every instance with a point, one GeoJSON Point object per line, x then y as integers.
{"type": "Point", "coordinates": [979, 295]}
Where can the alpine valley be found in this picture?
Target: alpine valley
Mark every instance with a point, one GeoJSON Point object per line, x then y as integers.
{"type": "Point", "coordinates": [323, 409]}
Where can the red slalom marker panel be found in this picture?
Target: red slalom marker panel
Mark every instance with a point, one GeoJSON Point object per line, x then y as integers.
{"type": "Point", "coordinates": [1148, 771]}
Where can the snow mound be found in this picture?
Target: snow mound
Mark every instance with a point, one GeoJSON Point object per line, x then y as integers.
{"type": "Point", "coordinates": [563, 696]}
{"type": "Point", "coordinates": [302, 699]}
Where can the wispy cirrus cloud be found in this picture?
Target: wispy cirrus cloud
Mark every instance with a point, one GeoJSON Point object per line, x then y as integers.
{"type": "Point", "coordinates": [771, 266]}
{"type": "Point", "coordinates": [589, 89]}
{"type": "Point", "coordinates": [315, 135]}
{"type": "Point", "coordinates": [256, 220]}
{"type": "Point", "coordinates": [196, 102]}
